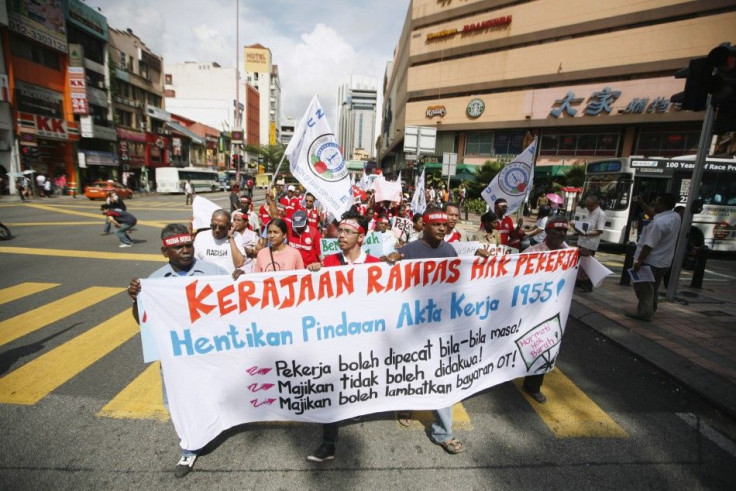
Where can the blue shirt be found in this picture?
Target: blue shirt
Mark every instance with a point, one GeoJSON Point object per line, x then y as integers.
{"type": "Point", "coordinates": [420, 250]}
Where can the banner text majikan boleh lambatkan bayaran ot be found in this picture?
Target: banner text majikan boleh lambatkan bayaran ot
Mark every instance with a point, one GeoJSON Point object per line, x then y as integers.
{"type": "Point", "coordinates": [347, 341]}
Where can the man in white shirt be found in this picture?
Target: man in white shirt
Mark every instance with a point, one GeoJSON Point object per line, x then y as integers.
{"type": "Point", "coordinates": [655, 249]}
{"type": "Point", "coordinates": [590, 238]}
{"type": "Point", "coordinates": [217, 244]}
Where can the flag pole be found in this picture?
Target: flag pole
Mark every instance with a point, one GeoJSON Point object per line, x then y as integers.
{"type": "Point", "coordinates": [277, 170]}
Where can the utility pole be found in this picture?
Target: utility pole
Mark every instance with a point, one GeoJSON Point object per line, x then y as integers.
{"type": "Point", "coordinates": [238, 118]}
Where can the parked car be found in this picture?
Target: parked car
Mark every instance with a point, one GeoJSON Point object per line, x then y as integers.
{"type": "Point", "coordinates": [99, 189]}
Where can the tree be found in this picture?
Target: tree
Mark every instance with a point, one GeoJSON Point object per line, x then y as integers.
{"type": "Point", "coordinates": [483, 177]}
{"type": "Point", "coordinates": [575, 176]}
{"type": "Point", "coordinates": [271, 154]}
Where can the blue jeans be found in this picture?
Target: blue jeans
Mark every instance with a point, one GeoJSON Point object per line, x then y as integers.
{"type": "Point", "coordinates": [107, 226]}
{"type": "Point", "coordinates": [123, 233]}
{"type": "Point", "coordinates": [442, 427]}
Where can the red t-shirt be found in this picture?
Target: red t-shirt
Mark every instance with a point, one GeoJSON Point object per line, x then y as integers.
{"type": "Point", "coordinates": [453, 237]}
{"type": "Point", "coordinates": [313, 217]}
{"type": "Point", "coordinates": [334, 260]}
{"type": "Point", "coordinates": [290, 205]}
{"type": "Point", "coordinates": [505, 228]}
{"type": "Point", "coordinates": [307, 243]}
{"type": "Point", "coordinates": [264, 215]}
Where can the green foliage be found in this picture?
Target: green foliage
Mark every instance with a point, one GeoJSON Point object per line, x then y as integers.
{"type": "Point", "coordinates": [575, 176]}
{"type": "Point", "coordinates": [476, 205]}
{"type": "Point", "coordinates": [482, 178]}
{"type": "Point", "coordinates": [271, 156]}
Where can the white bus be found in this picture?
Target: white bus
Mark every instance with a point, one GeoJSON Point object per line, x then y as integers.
{"type": "Point", "coordinates": [172, 179]}
{"type": "Point", "coordinates": [619, 181]}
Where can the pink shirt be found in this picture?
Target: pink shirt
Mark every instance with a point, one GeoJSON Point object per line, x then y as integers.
{"type": "Point", "coordinates": [285, 259]}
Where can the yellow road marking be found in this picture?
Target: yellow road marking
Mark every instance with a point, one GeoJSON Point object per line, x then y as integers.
{"type": "Point", "coordinates": [119, 256]}
{"type": "Point", "coordinates": [36, 379]}
{"type": "Point", "coordinates": [50, 224]}
{"type": "Point", "coordinates": [141, 399]}
{"type": "Point", "coordinates": [569, 413]}
{"type": "Point", "coordinates": [98, 215]}
{"type": "Point", "coordinates": [23, 290]}
{"type": "Point", "coordinates": [32, 320]}
{"type": "Point", "coordinates": [424, 419]}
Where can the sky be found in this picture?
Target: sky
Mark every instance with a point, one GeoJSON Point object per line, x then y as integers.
{"type": "Point", "coordinates": [317, 44]}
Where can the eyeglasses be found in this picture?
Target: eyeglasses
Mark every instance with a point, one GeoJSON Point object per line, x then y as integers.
{"type": "Point", "coordinates": [345, 231]}
{"type": "Point", "coordinates": [219, 227]}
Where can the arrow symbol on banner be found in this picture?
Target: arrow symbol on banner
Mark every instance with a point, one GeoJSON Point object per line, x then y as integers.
{"type": "Point", "coordinates": [266, 401]}
{"type": "Point", "coordinates": [255, 388]}
{"type": "Point", "coordinates": [254, 370]}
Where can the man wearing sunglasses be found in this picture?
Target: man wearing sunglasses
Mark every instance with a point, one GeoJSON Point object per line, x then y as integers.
{"type": "Point", "coordinates": [218, 245]}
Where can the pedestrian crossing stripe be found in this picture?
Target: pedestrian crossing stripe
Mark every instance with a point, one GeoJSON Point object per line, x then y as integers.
{"type": "Point", "coordinates": [98, 215]}
{"type": "Point", "coordinates": [36, 379]}
{"type": "Point", "coordinates": [117, 256]}
{"type": "Point", "coordinates": [568, 412]}
{"type": "Point", "coordinates": [23, 290]}
{"type": "Point", "coordinates": [28, 322]}
{"type": "Point", "coordinates": [141, 399]}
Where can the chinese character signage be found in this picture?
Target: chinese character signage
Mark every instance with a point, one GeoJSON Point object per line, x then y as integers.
{"type": "Point", "coordinates": [601, 102]}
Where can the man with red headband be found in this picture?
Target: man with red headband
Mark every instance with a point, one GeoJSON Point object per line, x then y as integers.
{"type": "Point", "coordinates": [432, 245]}
{"type": "Point", "coordinates": [178, 248]}
{"type": "Point", "coordinates": [510, 234]}
{"type": "Point", "coordinates": [556, 232]}
{"type": "Point", "coordinates": [350, 236]}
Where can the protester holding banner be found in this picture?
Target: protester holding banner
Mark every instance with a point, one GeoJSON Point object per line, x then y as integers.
{"type": "Point", "coordinates": [178, 248]}
{"type": "Point", "coordinates": [432, 245]}
{"type": "Point", "coordinates": [589, 236]}
{"type": "Point", "coordinates": [278, 256]}
{"type": "Point", "coordinates": [350, 236]}
{"type": "Point", "coordinates": [555, 234]}
{"type": "Point", "coordinates": [217, 244]}
{"type": "Point", "coordinates": [511, 234]}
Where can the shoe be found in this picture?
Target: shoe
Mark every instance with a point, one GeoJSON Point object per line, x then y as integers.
{"type": "Point", "coordinates": [324, 452]}
{"type": "Point", "coordinates": [125, 245]}
{"type": "Point", "coordinates": [404, 418]}
{"type": "Point", "coordinates": [185, 465]}
{"type": "Point", "coordinates": [636, 316]}
{"type": "Point", "coordinates": [105, 233]}
{"type": "Point", "coordinates": [537, 396]}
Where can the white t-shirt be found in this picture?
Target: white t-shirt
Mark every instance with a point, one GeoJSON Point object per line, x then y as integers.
{"type": "Point", "coordinates": [661, 236]}
{"type": "Point", "coordinates": [596, 221]}
{"type": "Point", "coordinates": [247, 240]}
{"type": "Point", "coordinates": [216, 251]}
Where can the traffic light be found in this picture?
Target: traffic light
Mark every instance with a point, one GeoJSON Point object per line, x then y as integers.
{"type": "Point", "coordinates": [723, 83]}
{"type": "Point", "coordinates": [697, 75]}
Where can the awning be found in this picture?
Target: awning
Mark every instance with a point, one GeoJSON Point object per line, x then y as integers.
{"type": "Point", "coordinates": [459, 169]}
{"type": "Point", "coordinates": [107, 159]}
{"type": "Point", "coordinates": [186, 132]}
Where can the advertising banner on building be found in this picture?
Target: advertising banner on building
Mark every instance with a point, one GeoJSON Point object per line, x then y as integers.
{"type": "Point", "coordinates": [41, 21]}
{"type": "Point", "coordinates": [78, 90]}
{"type": "Point", "coordinates": [326, 346]}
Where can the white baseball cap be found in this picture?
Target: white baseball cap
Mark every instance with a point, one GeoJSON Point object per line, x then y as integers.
{"type": "Point", "coordinates": [291, 188]}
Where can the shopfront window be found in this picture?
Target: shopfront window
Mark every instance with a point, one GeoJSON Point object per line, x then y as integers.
{"type": "Point", "coordinates": [479, 143]}
{"type": "Point", "coordinates": [659, 143]}
{"type": "Point", "coordinates": [35, 53]}
{"type": "Point", "coordinates": [580, 144]}
{"type": "Point", "coordinates": [508, 143]}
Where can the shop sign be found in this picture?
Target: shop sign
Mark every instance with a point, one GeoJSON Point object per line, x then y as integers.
{"type": "Point", "coordinates": [38, 100]}
{"type": "Point", "coordinates": [601, 102]}
{"type": "Point", "coordinates": [78, 90]}
{"type": "Point", "coordinates": [468, 28]}
{"type": "Point", "coordinates": [475, 108]}
{"type": "Point", "coordinates": [46, 127]}
{"type": "Point", "coordinates": [41, 21]}
{"type": "Point", "coordinates": [433, 111]}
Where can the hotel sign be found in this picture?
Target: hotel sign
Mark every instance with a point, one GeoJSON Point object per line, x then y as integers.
{"type": "Point", "coordinates": [468, 28]}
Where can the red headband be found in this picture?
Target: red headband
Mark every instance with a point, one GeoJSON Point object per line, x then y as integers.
{"type": "Point", "coordinates": [556, 225]}
{"type": "Point", "coordinates": [353, 224]}
{"type": "Point", "coordinates": [382, 220]}
{"type": "Point", "coordinates": [177, 239]}
{"type": "Point", "coordinates": [439, 217]}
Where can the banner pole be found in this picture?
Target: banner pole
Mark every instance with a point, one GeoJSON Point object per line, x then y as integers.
{"type": "Point", "coordinates": [277, 170]}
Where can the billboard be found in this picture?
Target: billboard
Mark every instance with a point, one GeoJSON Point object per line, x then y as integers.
{"type": "Point", "coordinates": [41, 21]}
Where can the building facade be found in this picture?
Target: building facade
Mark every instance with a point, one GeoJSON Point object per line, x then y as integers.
{"type": "Point", "coordinates": [356, 116]}
{"type": "Point", "coordinates": [590, 80]}
{"type": "Point", "coordinates": [137, 88]}
{"type": "Point", "coordinates": [261, 73]}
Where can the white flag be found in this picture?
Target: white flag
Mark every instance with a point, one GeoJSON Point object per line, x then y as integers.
{"type": "Point", "coordinates": [317, 163]}
{"type": "Point", "coordinates": [364, 182]}
{"type": "Point", "coordinates": [513, 182]}
{"type": "Point", "coordinates": [419, 200]}
{"type": "Point", "coordinates": [398, 178]}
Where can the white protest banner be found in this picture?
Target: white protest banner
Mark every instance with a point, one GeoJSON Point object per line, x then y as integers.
{"type": "Point", "coordinates": [202, 209]}
{"type": "Point", "coordinates": [419, 200]}
{"type": "Point", "coordinates": [512, 182]}
{"type": "Point", "coordinates": [402, 227]}
{"type": "Point", "coordinates": [345, 341]}
{"type": "Point", "coordinates": [595, 270]}
{"type": "Point", "coordinates": [317, 163]}
{"type": "Point", "coordinates": [469, 248]}
{"type": "Point", "coordinates": [386, 190]}
{"type": "Point", "coordinates": [375, 244]}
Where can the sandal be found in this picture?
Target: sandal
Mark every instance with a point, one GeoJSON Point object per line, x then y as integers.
{"type": "Point", "coordinates": [452, 446]}
{"type": "Point", "coordinates": [404, 418]}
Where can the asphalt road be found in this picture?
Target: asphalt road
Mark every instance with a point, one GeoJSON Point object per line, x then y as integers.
{"type": "Point", "coordinates": [618, 422]}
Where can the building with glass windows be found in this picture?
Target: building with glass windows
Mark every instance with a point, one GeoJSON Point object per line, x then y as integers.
{"type": "Point", "coordinates": [590, 78]}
